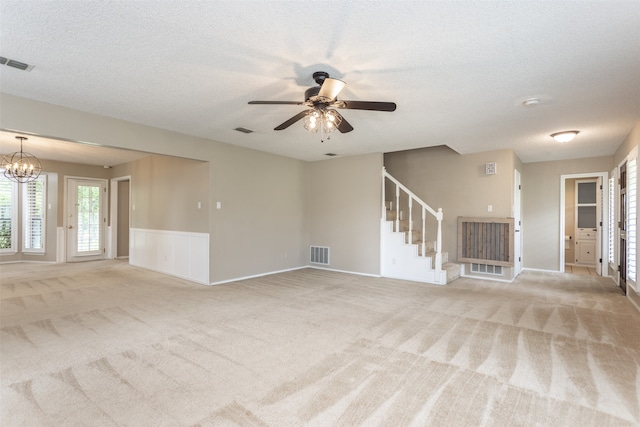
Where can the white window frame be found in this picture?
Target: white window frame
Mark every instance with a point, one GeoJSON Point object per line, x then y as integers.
{"type": "Point", "coordinates": [25, 217]}
{"type": "Point", "coordinates": [14, 218]}
{"type": "Point", "coordinates": [632, 219]}
{"type": "Point", "coordinates": [613, 229]}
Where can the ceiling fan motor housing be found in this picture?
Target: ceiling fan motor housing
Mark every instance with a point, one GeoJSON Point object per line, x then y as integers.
{"type": "Point", "coordinates": [312, 91]}
{"type": "Point", "coordinates": [319, 76]}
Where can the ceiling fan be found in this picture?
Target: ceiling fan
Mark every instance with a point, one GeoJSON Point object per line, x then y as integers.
{"type": "Point", "coordinates": [322, 100]}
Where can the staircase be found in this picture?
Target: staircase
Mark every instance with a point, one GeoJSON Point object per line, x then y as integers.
{"type": "Point", "coordinates": [406, 252]}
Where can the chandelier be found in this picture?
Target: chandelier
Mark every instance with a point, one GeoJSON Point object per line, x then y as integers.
{"type": "Point", "coordinates": [322, 119]}
{"type": "Point", "coordinates": [21, 166]}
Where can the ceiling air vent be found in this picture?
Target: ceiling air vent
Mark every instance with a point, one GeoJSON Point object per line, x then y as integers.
{"type": "Point", "coordinates": [16, 64]}
{"type": "Point", "coordinates": [243, 130]}
{"type": "Point", "coordinates": [331, 154]}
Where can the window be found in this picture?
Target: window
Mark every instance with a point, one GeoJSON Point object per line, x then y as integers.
{"type": "Point", "coordinates": [33, 203]}
{"type": "Point", "coordinates": [612, 218]}
{"type": "Point", "coordinates": [8, 215]}
{"type": "Point", "coordinates": [632, 218]}
{"type": "Point", "coordinates": [32, 197]}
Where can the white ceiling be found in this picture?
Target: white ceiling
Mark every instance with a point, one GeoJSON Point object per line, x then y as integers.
{"type": "Point", "coordinates": [458, 70]}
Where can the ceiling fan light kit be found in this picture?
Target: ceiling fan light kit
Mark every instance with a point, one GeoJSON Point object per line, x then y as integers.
{"type": "Point", "coordinates": [320, 99]}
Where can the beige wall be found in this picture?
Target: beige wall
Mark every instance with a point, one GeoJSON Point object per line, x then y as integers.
{"type": "Point", "coordinates": [263, 218]}
{"type": "Point", "coordinates": [456, 183]}
{"type": "Point", "coordinates": [261, 226]}
{"type": "Point", "coordinates": [344, 211]}
{"type": "Point", "coordinates": [63, 170]}
{"type": "Point", "coordinates": [541, 207]}
{"type": "Point", "coordinates": [631, 141]}
{"type": "Point", "coordinates": [123, 212]}
{"type": "Point", "coordinates": [569, 221]}
{"type": "Point", "coordinates": [165, 192]}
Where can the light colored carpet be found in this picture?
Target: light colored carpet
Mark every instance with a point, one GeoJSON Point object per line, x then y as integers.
{"type": "Point", "coordinates": [107, 344]}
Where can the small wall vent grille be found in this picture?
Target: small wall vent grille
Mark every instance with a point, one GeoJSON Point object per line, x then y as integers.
{"type": "Point", "coordinates": [319, 255]}
{"type": "Point", "coordinates": [487, 269]}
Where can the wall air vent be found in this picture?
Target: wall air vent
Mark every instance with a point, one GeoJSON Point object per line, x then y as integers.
{"type": "Point", "coordinates": [485, 268]}
{"type": "Point", "coordinates": [15, 64]}
{"type": "Point", "coordinates": [319, 255]}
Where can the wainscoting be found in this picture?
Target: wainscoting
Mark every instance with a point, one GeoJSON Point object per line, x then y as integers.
{"type": "Point", "coordinates": [177, 253]}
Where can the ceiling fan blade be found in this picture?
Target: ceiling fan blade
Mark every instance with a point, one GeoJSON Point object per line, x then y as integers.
{"type": "Point", "coordinates": [292, 120]}
{"type": "Point", "coordinates": [367, 105]}
{"type": "Point", "coordinates": [344, 126]}
{"type": "Point", "coordinates": [275, 102]}
{"type": "Point", "coordinates": [331, 88]}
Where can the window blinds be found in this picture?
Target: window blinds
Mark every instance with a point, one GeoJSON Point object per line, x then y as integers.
{"type": "Point", "coordinates": [8, 214]}
{"type": "Point", "coordinates": [632, 218]}
{"type": "Point", "coordinates": [34, 215]}
{"type": "Point", "coordinates": [612, 218]}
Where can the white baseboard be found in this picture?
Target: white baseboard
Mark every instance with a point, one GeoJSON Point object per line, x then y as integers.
{"type": "Point", "coordinates": [256, 275]}
{"type": "Point", "coordinates": [342, 271]}
{"type": "Point", "coordinates": [541, 270]}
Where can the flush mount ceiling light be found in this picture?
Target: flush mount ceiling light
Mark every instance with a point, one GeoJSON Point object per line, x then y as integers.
{"type": "Point", "coordinates": [565, 136]}
{"type": "Point", "coordinates": [21, 166]}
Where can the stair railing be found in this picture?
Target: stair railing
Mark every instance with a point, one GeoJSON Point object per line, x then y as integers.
{"type": "Point", "coordinates": [399, 187]}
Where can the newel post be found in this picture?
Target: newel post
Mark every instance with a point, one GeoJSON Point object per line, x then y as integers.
{"type": "Point", "coordinates": [439, 241]}
{"type": "Point", "coordinates": [384, 207]}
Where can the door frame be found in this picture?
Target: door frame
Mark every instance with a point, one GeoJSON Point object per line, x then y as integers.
{"type": "Point", "coordinates": [517, 216]}
{"type": "Point", "coordinates": [65, 222]}
{"type": "Point", "coordinates": [112, 233]}
{"type": "Point", "coordinates": [602, 248]}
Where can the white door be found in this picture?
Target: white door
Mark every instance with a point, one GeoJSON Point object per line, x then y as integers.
{"type": "Point", "coordinates": [85, 220]}
{"type": "Point", "coordinates": [517, 220]}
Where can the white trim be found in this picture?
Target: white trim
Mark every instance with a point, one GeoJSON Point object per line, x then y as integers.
{"type": "Point", "coordinates": [104, 202]}
{"type": "Point", "coordinates": [255, 276]}
{"type": "Point", "coordinates": [542, 270]}
{"type": "Point", "coordinates": [491, 279]}
{"type": "Point", "coordinates": [15, 221]}
{"type": "Point", "coordinates": [343, 271]}
{"type": "Point", "coordinates": [61, 245]}
{"type": "Point", "coordinates": [24, 200]}
{"type": "Point", "coordinates": [176, 253]}
{"type": "Point", "coordinates": [26, 261]}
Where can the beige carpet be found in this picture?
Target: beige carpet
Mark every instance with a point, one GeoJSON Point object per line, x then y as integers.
{"type": "Point", "coordinates": [107, 344]}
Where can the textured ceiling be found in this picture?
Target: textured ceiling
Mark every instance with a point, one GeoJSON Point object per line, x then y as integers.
{"type": "Point", "coordinates": [458, 71]}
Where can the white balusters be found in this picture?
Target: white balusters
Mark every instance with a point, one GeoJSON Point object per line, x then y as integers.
{"type": "Point", "coordinates": [424, 231]}
{"type": "Point", "coordinates": [397, 208]}
{"type": "Point", "coordinates": [424, 208]}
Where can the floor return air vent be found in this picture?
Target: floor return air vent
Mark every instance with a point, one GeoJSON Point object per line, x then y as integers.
{"type": "Point", "coordinates": [319, 255]}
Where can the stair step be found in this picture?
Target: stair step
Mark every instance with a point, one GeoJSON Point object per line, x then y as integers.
{"type": "Point", "coordinates": [453, 271]}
